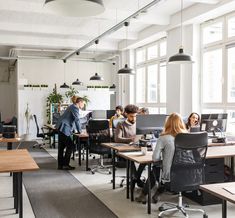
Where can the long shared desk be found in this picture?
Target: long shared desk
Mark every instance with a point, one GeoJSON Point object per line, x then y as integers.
{"type": "Point", "coordinates": [214, 151]}
{"type": "Point", "coordinates": [17, 162]}
{"type": "Point", "coordinates": [224, 191]}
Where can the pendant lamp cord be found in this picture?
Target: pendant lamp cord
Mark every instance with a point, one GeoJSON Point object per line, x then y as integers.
{"type": "Point", "coordinates": [64, 70]}
{"type": "Point", "coordinates": [181, 24]}
{"type": "Point", "coordinates": [96, 45]}
{"type": "Point", "coordinates": [126, 25]}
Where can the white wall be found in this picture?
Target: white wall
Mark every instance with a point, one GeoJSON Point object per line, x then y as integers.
{"type": "Point", "coordinates": [7, 91]}
{"type": "Point", "coordinates": [50, 71]}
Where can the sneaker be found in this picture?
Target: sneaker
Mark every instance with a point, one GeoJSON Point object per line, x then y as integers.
{"type": "Point", "coordinates": [141, 198]}
{"type": "Point", "coordinates": [68, 167]}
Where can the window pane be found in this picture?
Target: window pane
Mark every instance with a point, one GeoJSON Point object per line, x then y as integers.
{"type": "Point", "coordinates": [140, 56]}
{"type": "Point", "coordinates": [212, 33]}
{"type": "Point", "coordinates": [231, 27]}
{"type": "Point", "coordinates": [152, 83]}
{"type": "Point", "coordinates": [162, 110]}
{"type": "Point", "coordinates": [153, 110]}
{"type": "Point", "coordinates": [231, 122]}
{"type": "Point", "coordinates": [152, 52]}
{"type": "Point", "coordinates": [163, 48]}
{"type": "Point", "coordinates": [162, 84]}
{"type": "Point", "coordinates": [212, 76]}
{"type": "Point", "coordinates": [231, 75]}
{"type": "Point", "coordinates": [140, 85]}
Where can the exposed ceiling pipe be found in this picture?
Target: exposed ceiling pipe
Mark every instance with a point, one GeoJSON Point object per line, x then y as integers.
{"type": "Point", "coordinates": [112, 29]}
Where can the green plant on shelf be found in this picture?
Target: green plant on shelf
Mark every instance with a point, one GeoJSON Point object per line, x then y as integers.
{"type": "Point", "coordinates": [71, 92]}
{"type": "Point", "coordinates": [53, 98]}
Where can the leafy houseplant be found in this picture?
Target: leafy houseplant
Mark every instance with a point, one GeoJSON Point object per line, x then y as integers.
{"type": "Point", "coordinates": [53, 98]}
{"type": "Point", "coordinates": [71, 92]}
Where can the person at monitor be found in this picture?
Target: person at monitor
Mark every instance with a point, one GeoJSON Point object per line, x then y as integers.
{"type": "Point", "coordinates": [165, 148]}
{"type": "Point", "coordinates": [126, 133]}
{"type": "Point", "coordinates": [118, 115]}
{"type": "Point", "coordinates": [65, 126]}
{"type": "Point", "coordinates": [193, 120]}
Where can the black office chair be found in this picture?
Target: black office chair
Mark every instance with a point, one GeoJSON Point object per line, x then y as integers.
{"type": "Point", "coordinates": [98, 131]}
{"type": "Point", "coordinates": [44, 135]}
{"type": "Point", "coordinates": [187, 170]}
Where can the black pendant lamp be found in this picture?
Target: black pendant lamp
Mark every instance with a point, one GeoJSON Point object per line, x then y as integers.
{"type": "Point", "coordinates": [77, 82]}
{"type": "Point", "coordinates": [97, 77]}
{"type": "Point", "coordinates": [126, 70]}
{"type": "Point", "coordinates": [75, 8]}
{"type": "Point", "coordinates": [181, 57]}
{"type": "Point", "coordinates": [64, 86]}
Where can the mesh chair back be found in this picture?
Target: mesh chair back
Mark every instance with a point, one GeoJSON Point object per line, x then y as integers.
{"type": "Point", "coordinates": [99, 132]}
{"type": "Point", "coordinates": [187, 170]}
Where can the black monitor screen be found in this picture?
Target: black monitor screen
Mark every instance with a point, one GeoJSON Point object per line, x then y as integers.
{"type": "Point", "coordinates": [214, 122]}
{"type": "Point", "coordinates": [110, 113]}
{"type": "Point", "coordinates": [149, 123]}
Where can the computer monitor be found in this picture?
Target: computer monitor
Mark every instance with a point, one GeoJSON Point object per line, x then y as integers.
{"type": "Point", "coordinates": [213, 123]}
{"type": "Point", "coordinates": [110, 113]}
{"type": "Point", "coordinates": [150, 123]}
{"type": "Point", "coordinates": [99, 114]}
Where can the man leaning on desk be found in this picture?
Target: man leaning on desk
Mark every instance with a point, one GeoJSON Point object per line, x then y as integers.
{"type": "Point", "coordinates": [126, 133]}
{"type": "Point", "coordinates": [65, 126]}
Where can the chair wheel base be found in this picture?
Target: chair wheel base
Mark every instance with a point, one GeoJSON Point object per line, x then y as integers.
{"type": "Point", "coordinates": [205, 216]}
{"type": "Point", "coordinates": [161, 209]}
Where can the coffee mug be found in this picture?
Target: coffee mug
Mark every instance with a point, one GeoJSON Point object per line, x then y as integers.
{"type": "Point", "coordinates": [144, 150]}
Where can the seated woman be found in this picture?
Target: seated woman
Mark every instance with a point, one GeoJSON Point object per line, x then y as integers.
{"type": "Point", "coordinates": [165, 148]}
{"type": "Point", "coordinates": [118, 115]}
{"type": "Point", "coordinates": [193, 121]}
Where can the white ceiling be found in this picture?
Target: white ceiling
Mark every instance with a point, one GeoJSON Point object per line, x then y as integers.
{"type": "Point", "coordinates": [28, 29]}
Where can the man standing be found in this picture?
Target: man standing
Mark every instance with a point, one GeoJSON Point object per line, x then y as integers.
{"type": "Point", "coordinates": [65, 126]}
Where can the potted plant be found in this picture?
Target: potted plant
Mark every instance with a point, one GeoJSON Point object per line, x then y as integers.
{"type": "Point", "coordinates": [71, 92]}
{"type": "Point", "coordinates": [54, 99]}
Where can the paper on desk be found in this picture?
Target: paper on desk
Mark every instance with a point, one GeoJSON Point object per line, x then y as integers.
{"type": "Point", "coordinates": [83, 113]}
{"type": "Point", "coordinates": [230, 189]}
{"type": "Point", "coordinates": [137, 153]}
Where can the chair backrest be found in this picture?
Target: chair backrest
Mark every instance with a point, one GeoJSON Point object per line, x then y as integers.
{"type": "Point", "coordinates": [98, 131]}
{"type": "Point", "coordinates": [36, 122]}
{"type": "Point", "coordinates": [187, 169]}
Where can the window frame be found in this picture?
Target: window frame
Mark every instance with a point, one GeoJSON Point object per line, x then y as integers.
{"type": "Point", "coordinates": [159, 60]}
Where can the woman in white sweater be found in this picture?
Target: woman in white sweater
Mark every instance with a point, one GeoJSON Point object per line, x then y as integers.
{"type": "Point", "coordinates": [164, 151]}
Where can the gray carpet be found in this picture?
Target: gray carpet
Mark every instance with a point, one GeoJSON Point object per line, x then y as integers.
{"type": "Point", "coordinates": [56, 193]}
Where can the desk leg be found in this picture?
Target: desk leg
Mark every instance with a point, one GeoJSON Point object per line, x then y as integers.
{"type": "Point", "coordinates": [132, 182]}
{"type": "Point", "coordinates": [87, 151]}
{"type": "Point", "coordinates": [224, 208]}
{"type": "Point", "coordinates": [232, 165]}
{"type": "Point", "coordinates": [20, 195]}
{"type": "Point", "coordinates": [114, 165]}
{"type": "Point", "coordinates": [15, 193]}
{"type": "Point", "coordinates": [79, 151]}
{"type": "Point", "coordinates": [127, 178]}
{"type": "Point", "coordinates": [53, 145]}
{"type": "Point", "coordinates": [9, 145]}
{"type": "Point", "coordinates": [149, 189]}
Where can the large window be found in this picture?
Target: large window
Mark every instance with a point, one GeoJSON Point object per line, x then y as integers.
{"type": "Point", "coordinates": [218, 68]}
{"type": "Point", "coordinates": [151, 76]}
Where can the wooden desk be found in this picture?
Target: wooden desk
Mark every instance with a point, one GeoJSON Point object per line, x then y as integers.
{"type": "Point", "coordinates": [83, 137]}
{"type": "Point", "coordinates": [218, 191]}
{"type": "Point", "coordinates": [17, 161]}
{"type": "Point", "coordinates": [138, 157]}
{"type": "Point", "coordinates": [9, 141]}
{"type": "Point", "coordinates": [118, 147]}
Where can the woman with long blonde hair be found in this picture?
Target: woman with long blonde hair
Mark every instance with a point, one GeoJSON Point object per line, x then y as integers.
{"type": "Point", "coordinates": [164, 151]}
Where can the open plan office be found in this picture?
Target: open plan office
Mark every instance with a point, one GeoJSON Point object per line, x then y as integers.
{"type": "Point", "coordinates": [117, 108]}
